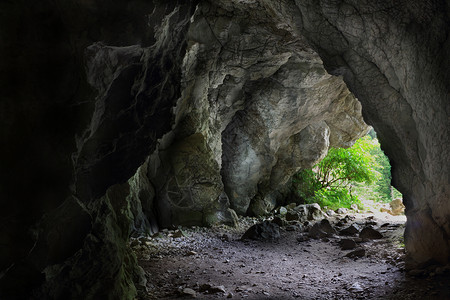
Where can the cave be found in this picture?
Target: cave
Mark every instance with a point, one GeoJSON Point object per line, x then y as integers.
{"type": "Point", "coordinates": [127, 117]}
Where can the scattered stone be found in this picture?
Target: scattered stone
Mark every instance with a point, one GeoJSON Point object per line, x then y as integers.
{"type": "Point", "coordinates": [283, 210]}
{"type": "Point", "coordinates": [178, 234]}
{"type": "Point", "coordinates": [292, 228]}
{"type": "Point", "coordinates": [309, 212]}
{"type": "Point", "coordinates": [302, 238]}
{"type": "Point", "coordinates": [134, 243]}
{"type": "Point", "coordinates": [347, 244]}
{"type": "Point", "coordinates": [157, 235]}
{"type": "Point", "coordinates": [225, 237]}
{"type": "Point", "coordinates": [356, 287]}
{"type": "Point", "coordinates": [292, 216]}
{"type": "Point", "coordinates": [191, 253]}
{"type": "Point", "coordinates": [230, 295]}
{"type": "Point", "coordinates": [397, 207]}
{"type": "Point", "coordinates": [190, 292]}
{"type": "Point", "coordinates": [204, 287]}
{"type": "Point", "coordinates": [321, 229]}
{"type": "Point", "coordinates": [345, 220]}
{"type": "Point", "coordinates": [262, 231]}
{"type": "Point", "coordinates": [360, 252]}
{"type": "Point", "coordinates": [279, 221]}
{"type": "Point", "coordinates": [307, 226]}
{"type": "Point", "coordinates": [371, 223]}
{"type": "Point", "coordinates": [210, 289]}
{"type": "Point", "coordinates": [370, 234]}
{"type": "Point", "coordinates": [341, 211]}
{"type": "Point", "coordinates": [354, 207]}
{"type": "Point", "coordinates": [351, 230]}
{"type": "Point", "coordinates": [217, 289]}
{"type": "Point", "coordinates": [330, 212]}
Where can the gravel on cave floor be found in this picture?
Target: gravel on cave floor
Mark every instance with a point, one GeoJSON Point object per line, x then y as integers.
{"type": "Point", "coordinates": [214, 263]}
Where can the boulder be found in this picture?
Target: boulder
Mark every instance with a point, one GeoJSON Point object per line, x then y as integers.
{"type": "Point", "coordinates": [341, 211]}
{"type": "Point", "coordinates": [369, 233]}
{"type": "Point", "coordinates": [397, 207]}
{"type": "Point", "coordinates": [309, 212]}
{"type": "Point", "coordinates": [350, 230]}
{"type": "Point", "coordinates": [279, 221]}
{"type": "Point", "coordinates": [262, 232]}
{"type": "Point", "coordinates": [347, 244]}
{"type": "Point", "coordinates": [321, 229]}
{"type": "Point", "coordinates": [292, 216]}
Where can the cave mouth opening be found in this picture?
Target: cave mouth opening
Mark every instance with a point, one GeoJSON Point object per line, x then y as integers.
{"type": "Point", "coordinates": [296, 258]}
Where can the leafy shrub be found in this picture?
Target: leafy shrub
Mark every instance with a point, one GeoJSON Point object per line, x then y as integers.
{"type": "Point", "coordinates": [334, 198]}
{"type": "Point", "coordinates": [345, 176]}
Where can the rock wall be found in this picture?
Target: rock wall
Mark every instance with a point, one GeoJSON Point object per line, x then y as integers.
{"type": "Point", "coordinates": [394, 56]}
{"type": "Point", "coordinates": [87, 89]}
{"type": "Point", "coordinates": [256, 106]}
{"type": "Point", "coordinates": [117, 118]}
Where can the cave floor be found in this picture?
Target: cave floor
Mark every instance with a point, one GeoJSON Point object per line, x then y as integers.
{"type": "Point", "coordinates": [215, 264]}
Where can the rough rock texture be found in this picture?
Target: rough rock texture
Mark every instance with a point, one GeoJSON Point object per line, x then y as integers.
{"type": "Point", "coordinates": [256, 106]}
{"type": "Point", "coordinates": [215, 99]}
{"type": "Point", "coordinates": [87, 89]}
{"type": "Point", "coordinates": [263, 231]}
{"type": "Point", "coordinates": [394, 57]}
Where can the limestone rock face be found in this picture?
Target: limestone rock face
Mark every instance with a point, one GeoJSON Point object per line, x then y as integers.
{"type": "Point", "coordinates": [256, 106]}
{"type": "Point", "coordinates": [395, 59]}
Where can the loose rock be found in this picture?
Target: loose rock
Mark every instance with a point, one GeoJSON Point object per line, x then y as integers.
{"type": "Point", "coordinates": [370, 234]}
{"type": "Point", "coordinates": [360, 252]}
{"type": "Point", "coordinates": [262, 231]}
{"type": "Point", "coordinates": [321, 229]}
{"type": "Point", "coordinates": [351, 230]}
{"type": "Point", "coordinates": [347, 244]}
{"type": "Point", "coordinates": [292, 216]}
{"type": "Point", "coordinates": [341, 211]}
{"type": "Point", "coordinates": [279, 221]}
{"type": "Point", "coordinates": [190, 292]}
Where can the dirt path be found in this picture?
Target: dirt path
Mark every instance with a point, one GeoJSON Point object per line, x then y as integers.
{"type": "Point", "coordinates": [216, 264]}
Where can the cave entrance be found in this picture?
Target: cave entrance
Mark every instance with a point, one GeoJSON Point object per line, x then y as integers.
{"type": "Point", "coordinates": [357, 177]}
{"type": "Point", "coordinates": [357, 253]}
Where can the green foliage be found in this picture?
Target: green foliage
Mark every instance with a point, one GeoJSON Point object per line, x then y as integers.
{"type": "Point", "coordinates": [381, 190]}
{"type": "Point", "coordinates": [334, 198]}
{"type": "Point", "coordinates": [345, 176]}
{"type": "Point", "coordinates": [342, 166]}
{"type": "Point", "coordinates": [306, 184]}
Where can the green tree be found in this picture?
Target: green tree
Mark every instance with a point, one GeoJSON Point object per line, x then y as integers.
{"type": "Point", "coordinates": [355, 164]}
{"type": "Point", "coordinates": [381, 189]}
{"type": "Point", "coordinates": [329, 182]}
